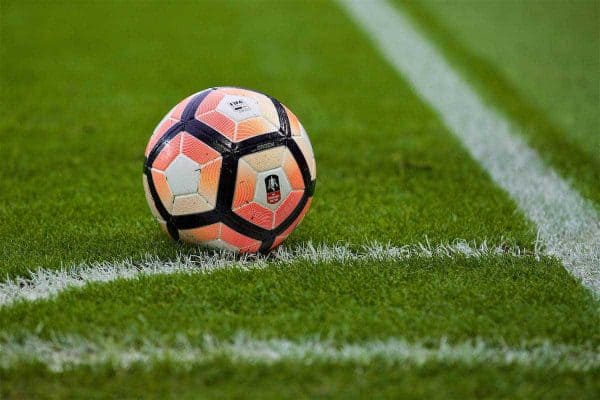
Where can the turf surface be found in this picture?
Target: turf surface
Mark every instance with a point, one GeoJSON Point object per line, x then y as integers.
{"type": "Point", "coordinates": [77, 111]}
{"type": "Point", "coordinates": [224, 380]}
{"type": "Point", "coordinates": [387, 168]}
{"type": "Point", "coordinates": [548, 50]}
{"type": "Point", "coordinates": [499, 299]}
{"type": "Point", "coordinates": [539, 63]}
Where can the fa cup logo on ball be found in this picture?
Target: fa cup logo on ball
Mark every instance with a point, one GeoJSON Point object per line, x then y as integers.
{"type": "Point", "coordinates": [273, 192]}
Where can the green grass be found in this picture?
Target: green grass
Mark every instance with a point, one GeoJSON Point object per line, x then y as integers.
{"type": "Point", "coordinates": [74, 131]}
{"type": "Point", "coordinates": [500, 299]}
{"type": "Point", "coordinates": [78, 108]}
{"type": "Point", "coordinates": [539, 63]}
{"type": "Point", "coordinates": [222, 379]}
{"type": "Point", "coordinates": [503, 300]}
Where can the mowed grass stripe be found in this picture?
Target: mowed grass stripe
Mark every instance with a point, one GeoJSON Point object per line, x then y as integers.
{"type": "Point", "coordinates": [388, 171]}
{"type": "Point", "coordinates": [567, 224]}
{"type": "Point", "coordinates": [499, 298]}
{"type": "Point", "coordinates": [71, 352]}
{"type": "Point", "coordinates": [45, 283]}
{"type": "Point", "coordinates": [545, 79]}
{"type": "Point", "coordinates": [72, 193]}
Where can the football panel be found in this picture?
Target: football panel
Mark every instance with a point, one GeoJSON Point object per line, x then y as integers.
{"type": "Point", "coordinates": [250, 248]}
{"type": "Point", "coordinates": [170, 119]}
{"type": "Point", "coordinates": [278, 240]}
{"type": "Point", "coordinates": [158, 133]}
{"type": "Point", "coordinates": [243, 243]}
{"type": "Point", "coordinates": [253, 127]}
{"type": "Point", "coordinates": [268, 111]}
{"type": "Point", "coordinates": [210, 103]}
{"type": "Point", "coordinates": [293, 226]}
{"type": "Point", "coordinates": [183, 175]}
{"type": "Point", "coordinates": [167, 153]}
{"type": "Point", "coordinates": [306, 147]}
{"type": "Point", "coordinates": [288, 206]}
{"type": "Point", "coordinates": [238, 107]}
{"type": "Point", "coordinates": [245, 184]}
{"type": "Point", "coordinates": [200, 235]}
{"type": "Point", "coordinates": [294, 122]}
{"type": "Point", "coordinates": [162, 188]}
{"type": "Point", "coordinates": [197, 150]}
{"type": "Point", "coordinates": [266, 159]}
{"type": "Point", "coordinates": [292, 171]}
{"type": "Point", "coordinates": [190, 204]}
{"type": "Point", "coordinates": [219, 123]}
{"type": "Point", "coordinates": [209, 180]}
{"type": "Point", "coordinates": [257, 214]}
{"type": "Point", "coordinates": [265, 105]}
{"type": "Point", "coordinates": [177, 111]}
{"type": "Point", "coordinates": [236, 91]}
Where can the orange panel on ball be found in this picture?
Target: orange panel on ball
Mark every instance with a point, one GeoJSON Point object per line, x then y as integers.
{"type": "Point", "coordinates": [158, 133]}
{"type": "Point", "coordinates": [162, 188]}
{"type": "Point", "coordinates": [251, 248]}
{"type": "Point", "coordinates": [288, 205]}
{"type": "Point", "coordinates": [220, 123]}
{"type": "Point", "coordinates": [256, 214]}
{"type": "Point", "coordinates": [253, 127]}
{"type": "Point", "coordinates": [197, 150]}
{"type": "Point", "coordinates": [294, 123]}
{"type": "Point", "coordinates": [278, 240]}
{"type": "Point", "coordinates": [244, 186]}
{"type": "Point", "coordinates": [292, 171]}
{"type": "Point", "coordinates": [242, 242]}
{"type": "Point", "coordinates": [200, 235]}
{"type": "Point", "coordinates": [210, 102]}
{"type": "Point", "coordinates": [168, 153]}
{"type": "Point", "coordinates": [291, 228]}
{"type": "Point", "coordinates": [238, 92]}
{"type": "Point", "coordinates": [179, 108]}
{"type": "Point", "coordinates": [209, 180]}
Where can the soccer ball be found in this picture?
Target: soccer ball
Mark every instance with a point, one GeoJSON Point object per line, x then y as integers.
{"type": "Point", "coordinates": [229, 168]}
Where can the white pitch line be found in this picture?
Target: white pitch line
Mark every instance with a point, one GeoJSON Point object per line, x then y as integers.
{"type": "Point", "coordinates": [45, 283]}
{"type": "Point", "coordinates": [568, 225]}
{"type": "Point", "coordinates": [70, 352]}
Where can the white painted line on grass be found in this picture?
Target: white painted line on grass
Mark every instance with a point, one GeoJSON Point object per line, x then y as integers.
{"type": "Point", "coordinates": [69, 352]}
{"type": "Point", "coordinates": [45, 283]}
{"type": "Point", "coordinates": [568, 225]}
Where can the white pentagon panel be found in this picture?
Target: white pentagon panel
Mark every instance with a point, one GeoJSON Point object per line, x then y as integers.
{"type": "Point", "coordinates": [239, 108]}
{"type": "Point", "coordinates": [183, 175]}
{"type": "Point", "coordinates": [267, 159]}
{"type": "Point", "coordinates": [272, 187]}
{"type": "Point", "coordinates": [190, 204]}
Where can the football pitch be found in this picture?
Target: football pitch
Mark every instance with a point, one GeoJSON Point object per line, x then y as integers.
{"type": "Point", "coordinates": [452, 249]}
